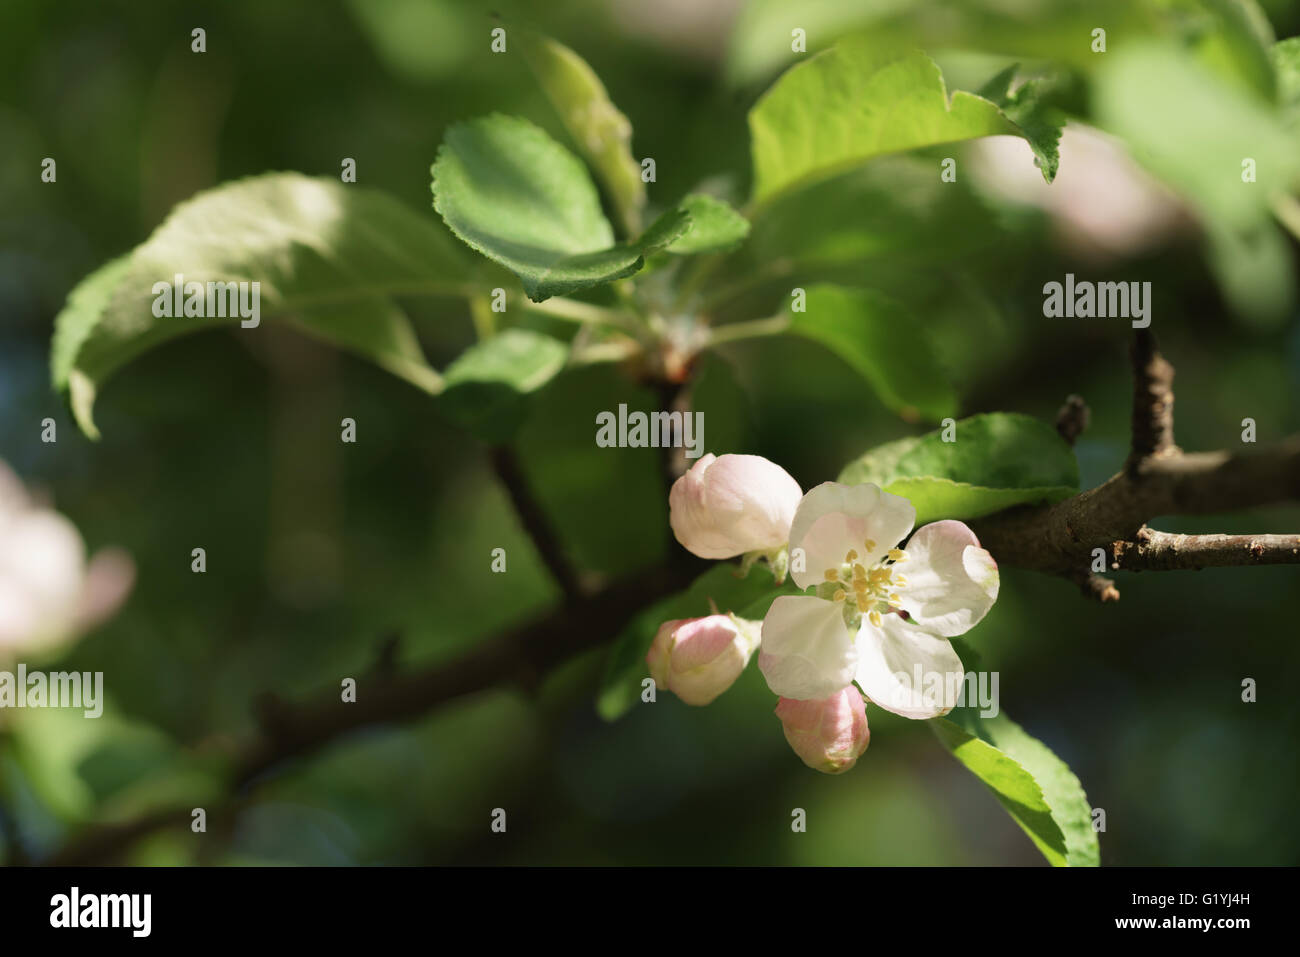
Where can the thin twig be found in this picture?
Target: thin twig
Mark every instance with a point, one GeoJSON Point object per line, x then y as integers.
{"type": "Point", "coordinates": [534, 520]}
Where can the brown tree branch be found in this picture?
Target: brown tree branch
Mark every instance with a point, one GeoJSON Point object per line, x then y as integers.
{"type": "Point", "coordinates": [293, 731]}
{"type": "Point", "coordinates": [1072, 419]}
{"type": "Point", "coordinates": [535, 521]}
{"type": "Point", "coordinates": [1163, 551]}
{"type": "Point", "coordinates": [1153, 401]}
{"type": "Point", "coordinates": [1158, 479]}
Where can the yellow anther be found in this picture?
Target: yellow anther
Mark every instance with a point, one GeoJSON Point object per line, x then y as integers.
{"type": "Point", "coordinates": [900, 581]}
{"type": "Point", "coordinates": [871, 545]}
{"type": "Point", "coordinates": [875, 619]}
{"type": "Point", "coordinates": [897, 555]}
{"type": "Point", "coordinates": [894, 599]}
{"type": "Point", "coordinates": [839, 595]}
{"type": "Point", "coordinates": [859, 573]}
{"type": "Point", "coordinates": [861, 586]}
{"type": "Point", "coordinates": [852, 556]}
{"type": "Point", "coordinates": [831, 574]}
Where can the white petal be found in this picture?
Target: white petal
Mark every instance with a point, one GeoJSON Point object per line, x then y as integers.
{"type": "Point", "coordinates": [807, 650]}
{"type": "Point", "coordinates": [951, 581]}
{"type": "Point", "coordinates": [907, 671]}
{"type": "Point", "coordinates": [833, 518]}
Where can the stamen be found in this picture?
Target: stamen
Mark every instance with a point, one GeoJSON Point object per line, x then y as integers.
{"type": "Point", "coordinates": [831, 574]}
{"type": "Point", "coordinates": [875, 619]}
{"type": "Point", "coordinates": [897, 555]}
{"type": "Point", "coordinates": [871, 545]}
{"type": "Point", "coordinates": [839, 595]}
{"type": "Point", "coordinates": [900, 581]}
{"type": "Point", "coordinates": [852, 556]}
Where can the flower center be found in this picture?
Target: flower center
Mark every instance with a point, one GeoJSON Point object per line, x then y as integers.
{"type": "Point", "coordinates": [867, 591]}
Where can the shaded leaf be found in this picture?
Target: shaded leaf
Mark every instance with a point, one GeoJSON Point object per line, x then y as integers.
{"type": "Point", "coordinates": [714, 226]}
{"type": "Point", "coordinates": [514, 194]}
{"type": "Point", "coordinates": [883, 343]}
{"type": "Point", "coordinates": [328, 254]}
{"type": "Point", "coordinates": [1195, 132]}
{"type": "Point", "coordinates": [486, 388]}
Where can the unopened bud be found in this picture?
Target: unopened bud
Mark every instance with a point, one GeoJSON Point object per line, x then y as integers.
{"type": "Point", "coordinates": [828, 735]}
{"type": "Point", "coordinates": [699, 658]}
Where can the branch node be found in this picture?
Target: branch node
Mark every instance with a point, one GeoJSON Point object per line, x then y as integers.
{"type": "Point", "coordinates": [1097, 587]}
{"type": "Point", "coordinates": [1153, 403]}
{"type": "Point", "coordinates": [1072, 418]}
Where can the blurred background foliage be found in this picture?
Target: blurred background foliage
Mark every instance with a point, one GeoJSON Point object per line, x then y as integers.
{"type": "Point", "coordinates": [317, 550]}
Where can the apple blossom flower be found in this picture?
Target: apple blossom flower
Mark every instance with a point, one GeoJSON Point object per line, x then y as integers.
{"type": "Point", "coordinates": [48, 592]}
{"type": "Point", "coordinates": [730, 505]}
{"type": "Point", "coordinates": [870, 623]}
{"type": "Point", "coordinates": [699, 658]}
{"type": "Point", "coordinates": [828, 735]}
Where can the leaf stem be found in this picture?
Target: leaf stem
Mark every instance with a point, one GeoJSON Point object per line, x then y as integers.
{"type": "Point", "coordinates": [571, 310]}
{"type": "Point", "coordinates": [750, 329]}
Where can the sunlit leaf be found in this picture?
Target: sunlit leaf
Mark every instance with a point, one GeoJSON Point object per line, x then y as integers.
{"type": "Point", "coordinates": [856, 101]}
{"type": "Point", "coordinates": [993, 462]}
{"type": "Point", "coordinates": [602, 133]}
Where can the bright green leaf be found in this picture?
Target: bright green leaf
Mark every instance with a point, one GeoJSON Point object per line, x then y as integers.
{"type": "Point", "coordinates": [520, 198]}
{"type": "Point", "coordinates": [1013, 786]}
{"type": "Point", "coordinates": [602, 133]}
{"type": "Point", "coordinates": [486, 388]}
{"type": "Point", "coordinates": [1285, 57]}
{"type": "Point", "coordinates": [748, 597]}
{"type": "Point", "coordinates": [1060, 788]}
{"type": "Point", "coordinates": [996, 461]}
{"type": "Point", "coordinates": [714, 226]}
{"type": "Point", "coordinates": [883, 343]}
{"type": "Point", "coordinates": [327, 254]}
{"type": "Point", "coordinates": [857, 101]}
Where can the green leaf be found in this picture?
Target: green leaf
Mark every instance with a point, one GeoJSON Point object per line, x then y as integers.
{"type": "Point", "coordinates": [327, 254]}
{"type": "Point", "coordinates": [1194, 131]}
{"type": "Point", "coordinates": [854, 102]}
{"type": "Point", "coordinates": [713, 226]}
{"type": "Point", "coordinates": [1013, 786]}
{"type": "Point", "coordinates": [747, 597]}
{"type": "Point", "coordinates": [883, 343]}
{"type": "Point", "coordinates": [1285, 57]}
{"type": "Point", "coordinates": [896, 209]}
{"type": "Point", "coordinates": [521, 199]}
{"type": "Point", "coordinates": [1028, 106]}
{"type": "Point", "coordinates": [602, 133]}
{"type": "Point", "coordinates": [486, 388]}
{"type": "Point", "coordinates": [1067, 837]}
{"type": "Point", "coordinates": [996, 461]}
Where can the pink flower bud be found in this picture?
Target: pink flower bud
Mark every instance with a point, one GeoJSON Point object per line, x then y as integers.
{"type": "Point", "coordinates": [699, 658]}
{"type": "Point", "coordinates": [732, 504]}
{"type": "Point", "coordinates": [828, 735]}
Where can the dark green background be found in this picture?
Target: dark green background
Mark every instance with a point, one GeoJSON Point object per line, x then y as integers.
{"type": "Point", "coordinates": [316, 550]}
